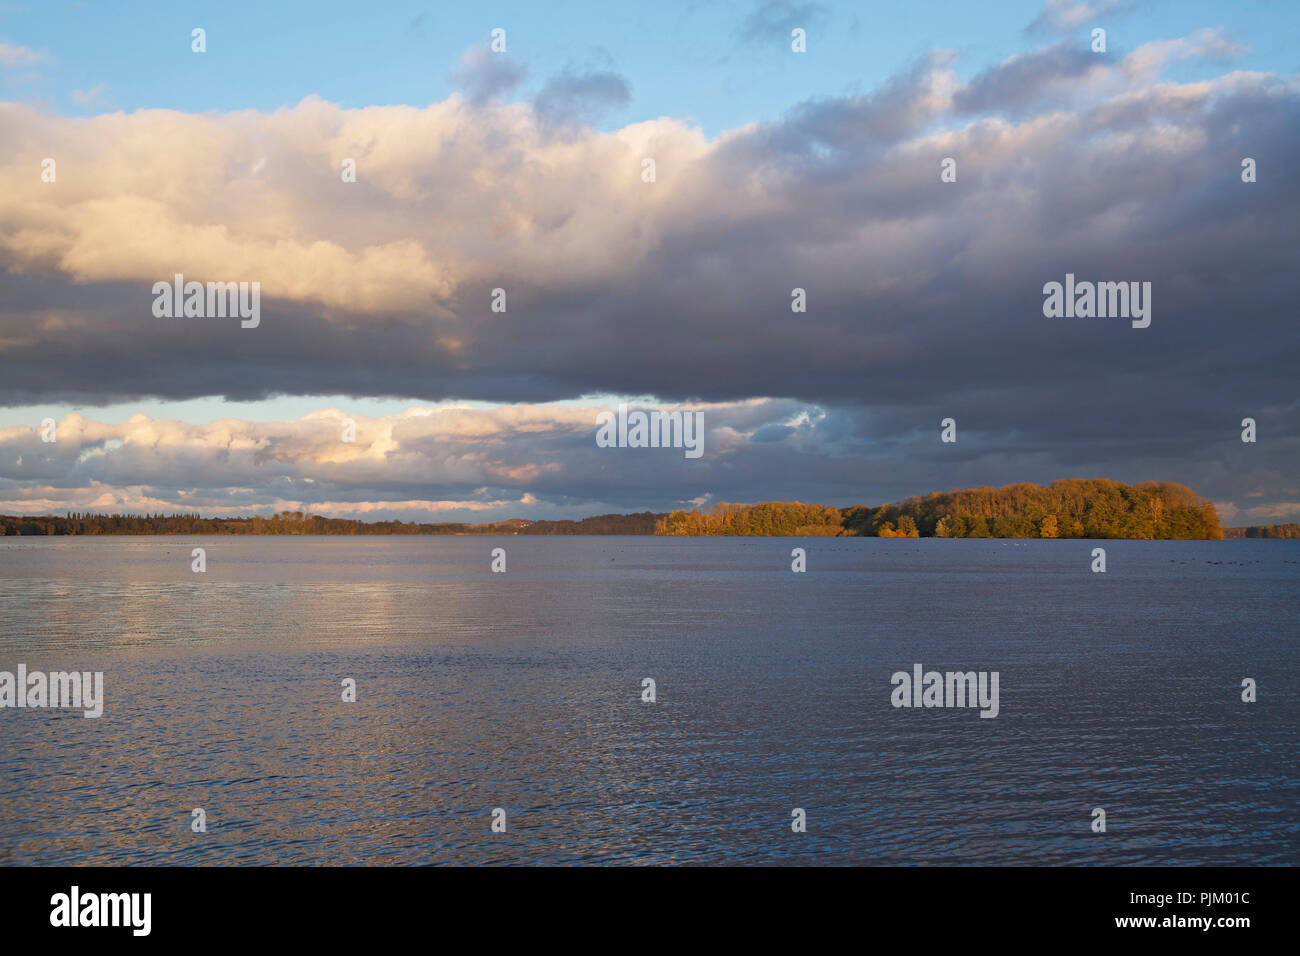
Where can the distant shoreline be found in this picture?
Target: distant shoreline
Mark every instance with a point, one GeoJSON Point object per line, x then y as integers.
{"type": "Point", "coordinates": [1089, 509]}
{"type": "Point", "coordinates": [1249, 533]}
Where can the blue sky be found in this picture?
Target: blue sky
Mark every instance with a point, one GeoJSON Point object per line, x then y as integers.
{"type": "Point", "coordinates": [686, 60]}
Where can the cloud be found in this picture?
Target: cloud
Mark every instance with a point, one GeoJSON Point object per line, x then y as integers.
{"type": "Point", "coordinates": [1066, 16]}
{"type": "Point", "coordinates": [924, 298]}
{"type": "Point", "coordinates": [772, 20]}
{"type": "Point", "coordinates": [1020, 81]}
{"type": "Point", "coordinates": [483, 75]}
{"type": "Point", "coordinates": [1209, 44]}
{"type": "Point", "coordinates": [903, 105]}
{"type": "Point", "coordinates": [456, 462]}
{"type": "Point", "coordinates": [14, 57]}
{"type": "Point", "coordinates": [538, 460]}
{"type": "Point", "coordinates": [92, 97]}
{"type": "Point", "coordinates": [582, 98]}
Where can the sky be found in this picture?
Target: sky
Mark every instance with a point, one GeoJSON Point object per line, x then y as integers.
{"type": "Point", "coordinates": [523, 169]}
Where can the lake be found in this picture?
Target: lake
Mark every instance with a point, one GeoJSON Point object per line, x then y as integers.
{"type": "Point", "coordinates": [523, 691]}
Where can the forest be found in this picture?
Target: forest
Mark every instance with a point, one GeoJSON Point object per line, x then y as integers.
{"type": "Point", "coordinates": [1070, 508]}
{"type": "Point", "coordinates": [771, 518]}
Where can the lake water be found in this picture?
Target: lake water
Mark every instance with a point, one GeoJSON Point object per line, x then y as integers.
{"type": "Point", "coordinates": [522, 691]}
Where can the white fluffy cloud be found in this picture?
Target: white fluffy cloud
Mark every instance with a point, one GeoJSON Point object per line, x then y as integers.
{"type": "Point", "coordinates": [457, 461]}
{"type": "Point", "coordinates": [453, 193]}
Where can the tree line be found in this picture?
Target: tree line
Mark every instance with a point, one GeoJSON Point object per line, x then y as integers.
{"type": "Point", "coordinates": [1070, 508]}
{"type": "Point", "coordinates": [298, 522]}
{"type": "Point", "coordinates": [1264, 531]}
{"type": "Point", "coordinates": [771, 518]}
